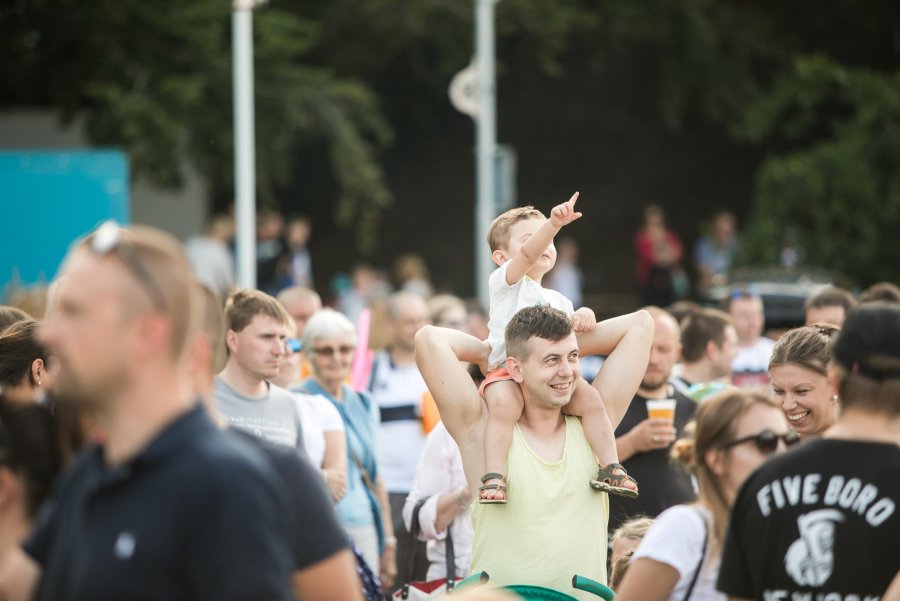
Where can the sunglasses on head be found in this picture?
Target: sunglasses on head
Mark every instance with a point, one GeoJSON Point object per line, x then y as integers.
{"type": "Point", "coordinates": [330, 351]}
{"type": "Point", "coordinates": [744, 292]}
{"type": "Point", "coordinates": [109, 239]}
{"type": "Point", "coordinates": [767, 441]}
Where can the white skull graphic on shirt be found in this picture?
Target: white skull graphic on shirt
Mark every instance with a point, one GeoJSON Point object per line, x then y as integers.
{"type": "Point", "coordinates": [810, 559]}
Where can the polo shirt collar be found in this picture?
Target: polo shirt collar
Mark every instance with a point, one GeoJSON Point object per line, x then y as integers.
{"type": "Point", "coordinates": [185, 427]}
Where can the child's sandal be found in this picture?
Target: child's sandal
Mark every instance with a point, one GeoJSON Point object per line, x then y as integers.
{"type": "Point", "coordinates": [612, 483]}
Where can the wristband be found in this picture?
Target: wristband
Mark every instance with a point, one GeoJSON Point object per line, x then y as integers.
{"type": "Point", "coordinates": [390, 540]}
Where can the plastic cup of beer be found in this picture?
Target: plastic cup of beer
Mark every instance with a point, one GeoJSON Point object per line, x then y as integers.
{"type": "Point", "coordinates": [661, 409]}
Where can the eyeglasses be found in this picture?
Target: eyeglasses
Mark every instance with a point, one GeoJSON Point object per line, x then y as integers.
{"type": "Point", "coordinates": [766, 441]}
{"type": "Point", "coordinates": [108, 239]}
{"type": "Point", "coordinates": [293, 345]}
{"type": "Point", "coordinates": [331, 351]}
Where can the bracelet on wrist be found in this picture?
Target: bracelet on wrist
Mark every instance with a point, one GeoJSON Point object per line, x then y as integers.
{"type": "Point", "coordinates": [390, 540]}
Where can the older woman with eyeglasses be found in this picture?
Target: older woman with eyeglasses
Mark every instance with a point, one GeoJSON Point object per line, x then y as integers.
{"type": "Point", "coordinates": [733, 434]}
{"type": "Point", "coordinates": [329, 340]}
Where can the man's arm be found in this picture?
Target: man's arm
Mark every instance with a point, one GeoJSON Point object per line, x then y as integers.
{"type": "Point", "coordinates": [19, 575]}
{"type": "Point", "coordinates": [626, 340]}
{"type": "Point", "coordinates": [332, 579]}
{"type": "Point", "coordinates": [438, 355]}
{"type": "Point", "coordinates": [531, 250]}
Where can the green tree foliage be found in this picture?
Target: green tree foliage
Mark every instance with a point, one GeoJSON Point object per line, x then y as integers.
{"type": "Point", "coordinates": [155, 79]}
{"type": "Point", "coordinates": [815, 86]}
{"type": "Point", "coordinates": [837, 192]}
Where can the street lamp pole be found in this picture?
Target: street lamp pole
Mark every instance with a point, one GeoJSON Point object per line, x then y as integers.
{"type": "Point", "coordinates": [244, 141]}
{"type": "Point", "coordinates": [486, 136]}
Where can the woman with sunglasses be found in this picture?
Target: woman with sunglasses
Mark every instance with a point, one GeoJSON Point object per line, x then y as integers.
{"type": "Point", "coordinates": [732, 434]}
{"type": "Point", "coordinates": [797, 369]}
{"type": "Point", "coordinates": [329, 340]}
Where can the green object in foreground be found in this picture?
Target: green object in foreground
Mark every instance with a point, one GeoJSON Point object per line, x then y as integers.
{"type": "Point", "coordinates": [540, 593]}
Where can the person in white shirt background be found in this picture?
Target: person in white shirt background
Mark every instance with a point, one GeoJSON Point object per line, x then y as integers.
{"type": "Point", "coordinates": [749, 368]}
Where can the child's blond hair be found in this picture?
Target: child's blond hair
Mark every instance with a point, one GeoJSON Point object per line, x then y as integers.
{"type": "Point", "coordinates": [498, 233]}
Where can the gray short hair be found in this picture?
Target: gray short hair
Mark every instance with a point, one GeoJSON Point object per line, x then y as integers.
{"type": "Point", "coordinates": [326, 323]}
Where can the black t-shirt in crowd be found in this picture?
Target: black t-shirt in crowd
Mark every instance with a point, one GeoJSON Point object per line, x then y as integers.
{"type": "Point", "coordinates": [819, 523]}
{"type": "Point", "coordinates": [660, 483]}
{"type": "Point", "coordinates": [195, 515]}
{"type": "Point", "coordinates": [313, 532]}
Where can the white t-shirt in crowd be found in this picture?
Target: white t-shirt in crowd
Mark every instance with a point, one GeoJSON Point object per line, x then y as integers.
{"type": "Point", "coordinates": [317, 416]}
{"type": "Point", "coordinates": [398, 391]}
{"type": "Point", "coordinates": [676, 539]}
{"type": "Point", "coordinates": [750, 366]}
{"type": "Point", "coordinates": [507, 300]}
{"type": "Point", "coordinates": [440, 471]}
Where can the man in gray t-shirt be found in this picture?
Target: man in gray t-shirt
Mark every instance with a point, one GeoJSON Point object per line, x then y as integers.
{"type": "Point", "coordinates": [257, 327]}
{"type": "Point", "coordinates": [272, 417]}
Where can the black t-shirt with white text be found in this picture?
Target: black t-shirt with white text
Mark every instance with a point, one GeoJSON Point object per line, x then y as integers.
{"type": "Point", "coordinates": [818, 523]}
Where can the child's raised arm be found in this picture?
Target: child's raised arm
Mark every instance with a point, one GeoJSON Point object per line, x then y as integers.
{"type": "Point", "coordinates": [531, 251]}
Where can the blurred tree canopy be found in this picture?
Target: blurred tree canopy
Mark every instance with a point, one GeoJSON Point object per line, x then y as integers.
{"type": "Point", "coordinates": [814, 86]}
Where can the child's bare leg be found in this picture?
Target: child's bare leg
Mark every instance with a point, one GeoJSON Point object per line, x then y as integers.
{"type": "Point", "coordinates": [587, 404]}
{"type": "Point", "coordinates": [505, 405]}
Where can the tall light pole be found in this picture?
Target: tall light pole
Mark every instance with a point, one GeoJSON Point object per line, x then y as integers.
{"type": "Point", "coordinates": [244, 140]}
{"type": "Point", "coordinates": [486, 136]}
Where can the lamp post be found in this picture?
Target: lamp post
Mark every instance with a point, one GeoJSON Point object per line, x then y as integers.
{"type": "Point", "coordinates": [244, 140]}
{"type": "Point", "coordinates": [486, 137]}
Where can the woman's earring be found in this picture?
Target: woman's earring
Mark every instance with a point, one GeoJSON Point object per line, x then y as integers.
{"type": "Point", "coordinates": [834, 397]}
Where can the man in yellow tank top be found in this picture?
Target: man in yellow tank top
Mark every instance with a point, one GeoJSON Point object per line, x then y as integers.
{"type": "Point", "coordinates": [553, 527]}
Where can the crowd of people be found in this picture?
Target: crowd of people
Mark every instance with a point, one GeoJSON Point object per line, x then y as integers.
{"type": "Point", "coordinates": [165, 435]}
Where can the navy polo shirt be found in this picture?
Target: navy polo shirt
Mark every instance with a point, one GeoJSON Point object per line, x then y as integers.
{"type": "Point", "coordinates": [195, 515]}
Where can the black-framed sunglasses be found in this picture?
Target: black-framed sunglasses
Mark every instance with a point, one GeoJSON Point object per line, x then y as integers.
{"type": "Point", "coordinates": [766, 441]}
{"type": "Point", "coordinates": [109, 239]}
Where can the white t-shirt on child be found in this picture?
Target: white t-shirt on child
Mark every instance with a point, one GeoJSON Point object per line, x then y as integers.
{"type": "Point", "coordinates": [508, 300]}
{"type": "Point", "coordinates": [676, 539]}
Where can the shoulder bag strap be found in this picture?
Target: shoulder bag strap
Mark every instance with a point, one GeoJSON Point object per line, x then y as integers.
{"type": "Point", "coordinates": [414, 530]}
{"type": "Point", "coordinates": [690, 588]}
{"type": "Point", "coordinates": [451, 560]}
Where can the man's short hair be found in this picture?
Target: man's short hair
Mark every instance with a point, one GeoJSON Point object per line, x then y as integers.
{"type": "Point", "coordinates": [243, 305]}
{"type": "Point", "coordinates": [660, 314]}
{"type": "Point", "coordinates": [867, 355]}
{"type": "Point", "coordinates": [737, 292]}
{"type": "Point", "coordinates": [832, 296]}
{"type": "Point", "coordinates": [498, 233]}
{"type": "Point", "coordinates": [885, 292]}
{"type": "Point", "coordinates": [540, 321]}
{"type": "Point", "coordinates": [699, 328]}
{"type": "Point", "coordinates": [396, 301]}
{"type": "Point", "coordinates": [162, 259]}
{"type": "Point", "coordinates": [212, 325]}
{"type": "Point", "coordinates": [299, 293]}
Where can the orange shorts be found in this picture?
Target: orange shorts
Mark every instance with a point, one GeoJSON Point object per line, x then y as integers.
{"type": "Point", "coordinates": [499, 374]}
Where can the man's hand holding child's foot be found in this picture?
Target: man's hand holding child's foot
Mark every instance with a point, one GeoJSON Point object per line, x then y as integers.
{"type": "Point", "coordinates": [493, 489]}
